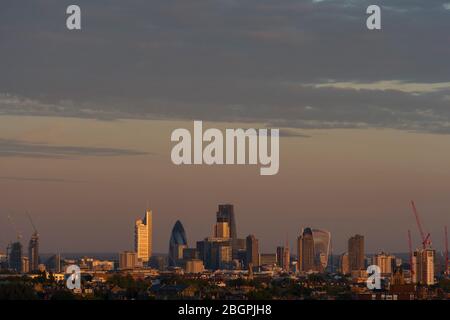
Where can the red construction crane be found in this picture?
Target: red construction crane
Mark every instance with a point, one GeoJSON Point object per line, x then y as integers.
{"type": "Point", "coordinates": [426, 241]}
{"type": "Point", "coordinates": [410, 253]}
{"type": "Point", "coordinates": [446, 251]}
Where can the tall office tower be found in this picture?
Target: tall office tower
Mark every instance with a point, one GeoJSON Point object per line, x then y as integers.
{"type": "Point", "coordinates": [322, 247]}
{"type": "Point", "coordinates": [344, 263]}
{"type": "Point", "coordinates": [15, 256]}
{"type": "Point", "coordinates": [177, 243]}
{"type": "Point", "coordinates": [423, 270]}
{"type": "Point", "coordinates": [280, 256]}
{"type": "Point", "coordinates": [143, 233]}
{"type": "Point", "coordinates": [252, 251]}
{"type": "Point", "coordinates": [127, 260]}
{"type": "Point", "coordinates": [33, 252]}
{"type": "Point", "coordinates": [385, 261]}
{"type": "Point", "coordinates": [299, 253]}
{"type": "Point", "coordinates": [305, 251]}
{"type": "Point", "coordinates": [413, 268]}
{"type": "Point", "coordinates": [284, 257]}
{"type": "Point", "coordinates": [226, 214]}
{"type": "Point", "coordinates": [221, 230]}
{"type": "Point", "coordinates": [356, 252]}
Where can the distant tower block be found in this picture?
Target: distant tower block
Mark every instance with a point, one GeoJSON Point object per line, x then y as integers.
{"type": "Point", "coordinates": [305, 251]}
{"type": "Point", "coordinates": [356, 252]}
{"type": "Point", "coordinates": [322, 248]}
{"type": "Point", "coordinates": [143, 234]}
{"type": "Point", "coordinates": [252, 254]}
{"type": "Point", "coordinates": [226, 214]}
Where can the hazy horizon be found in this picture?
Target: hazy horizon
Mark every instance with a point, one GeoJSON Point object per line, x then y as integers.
{"type": "Point", "coordinates": [86, 118]}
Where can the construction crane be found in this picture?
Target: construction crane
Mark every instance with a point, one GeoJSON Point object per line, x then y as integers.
{"type": "Point", "coordinates": [410, 252]}
{"type": "Point", "coordinates": [13, 225]}
{"type": "Point", "coordinates": [426, 239]}
{"type": "Point", "coordinates": [31, 221]}
{"type": "Point", "coordinates": [446, 251]}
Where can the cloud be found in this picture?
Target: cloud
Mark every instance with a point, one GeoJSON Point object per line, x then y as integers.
{"type": "Point", "coordinates": [36, 179]}
{"type": "Point", "coordinates": [283, 133]}
{"type": "Point", "coordinates": [15, 148]}
{"type": "Point", "coordinates": [295, 63]}
{"type": "Point", "coordinates": [11, 104]}
{"type": "Point", "coordinates": [287, 133]}
{"type": "Point", "coordinates": [396, 85]}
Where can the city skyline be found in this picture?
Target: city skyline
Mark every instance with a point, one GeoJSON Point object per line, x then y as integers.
{"type": "Point", "coordinates": [147, 222]}
{"type": "Point", "coordinates": [225, 257]}
{"type": "Point", "coordinates": [86, 120]}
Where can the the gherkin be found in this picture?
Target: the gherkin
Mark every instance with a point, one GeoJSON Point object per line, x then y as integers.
{"type": "Point", "coordinates": [177, 239]}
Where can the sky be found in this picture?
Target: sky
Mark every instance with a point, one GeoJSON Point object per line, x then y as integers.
{"type": "Point", "coordinates": [86, 118]}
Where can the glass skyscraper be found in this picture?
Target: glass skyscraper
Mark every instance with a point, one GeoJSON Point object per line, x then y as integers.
{"type": "Point", "coordinates": [306, 251]}
{"type": "Point", "coordinates": [322, 246]}
{"type": "Point", "coordinates": [15, 256]}
{"type": "Point", "coordinates": [226, 214]}
{"type": "Point", "coordinates": [177, 243]}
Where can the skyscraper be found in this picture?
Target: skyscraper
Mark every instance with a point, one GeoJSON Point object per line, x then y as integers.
{"type": "Point", "coordinates": [226, 214]}
{"type": "Point", "coordinates": [252, 251]}
{"type": "Point", "coordinates": [15, 256]}
{"type": "Point", "coordinates": [280, 256]}
{"type": "Point", "coordinates": [177, 243]}
{"type": "Point", "coordinates": [385, 261]}
{"type": "Point", "coordinates": [299, 253]}
{"type": "Point", "coordinates": [33, 252]}
{"type": "Point", "coordinates": [344, 263]}
{"type": "Point", "coordinates": [423, 266]}
{"type": "Point", "coordinates": [356, 252]}
{"type": "Point", "coordinates": [322, 245]}
{"type": "Point", "coordinates": [284, 257]}
{"type": "Point", "coordinates": [143, 233]}
{"type": "Point", "coordinates": [305, 251]}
